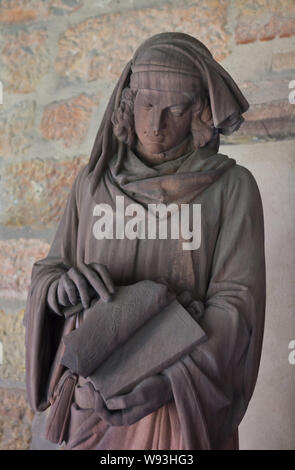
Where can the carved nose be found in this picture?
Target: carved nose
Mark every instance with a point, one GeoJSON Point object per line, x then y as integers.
{"type": "Point", "coordinates": [156, 121]}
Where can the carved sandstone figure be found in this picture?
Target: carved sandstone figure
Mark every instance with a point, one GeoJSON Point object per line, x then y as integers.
{"type": "Point", "coordinates": [158, 144]}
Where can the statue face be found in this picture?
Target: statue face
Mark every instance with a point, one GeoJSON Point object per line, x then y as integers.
{"type": "Point", "coordinates": [162, 120]}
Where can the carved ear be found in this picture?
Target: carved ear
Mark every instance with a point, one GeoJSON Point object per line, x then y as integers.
{"type": "Point", "coordinates": [123, 118]}
{"type": "Point", "coordinates": [202, 127]}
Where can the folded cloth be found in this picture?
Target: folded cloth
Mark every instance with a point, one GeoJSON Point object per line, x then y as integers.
{"type": "Point", "coordinates": [57, 420]}
{"type": "Point", "coordinates": [107, 325]}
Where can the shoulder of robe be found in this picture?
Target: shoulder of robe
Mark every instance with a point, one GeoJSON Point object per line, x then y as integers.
{"type": "Point", "coordinates": [241, 183]}
{"type": "Point", "coordinates": [80, 183]}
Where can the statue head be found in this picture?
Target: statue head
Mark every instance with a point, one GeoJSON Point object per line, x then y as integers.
{"type": "Point", "coordinates": [165, 104]}
{"type": "Point", "coordinates": [172, 91]}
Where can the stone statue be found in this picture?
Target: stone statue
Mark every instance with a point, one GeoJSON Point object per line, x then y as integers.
{"type": "Point", "coordinates": [156, 157]}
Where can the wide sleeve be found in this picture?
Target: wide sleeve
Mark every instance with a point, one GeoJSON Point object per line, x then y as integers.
{"type": "Point", "coordinates": [213, 384]}
{"type": "Point", "coordinates": [44, 329]}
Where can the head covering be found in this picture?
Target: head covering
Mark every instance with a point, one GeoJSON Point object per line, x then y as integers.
{"type": "Point", "coordinates": [156, 68]}
{"type": "Point", "coordinates": [187, 61]}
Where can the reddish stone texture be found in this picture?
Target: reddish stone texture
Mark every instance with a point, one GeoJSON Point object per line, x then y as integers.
{"type": "Point", "coordinates": [34, 192]}
{"type": "Point", "coordinates": [17, 257]}
{"type": "Point", "coordinates": [15, 420]}
{"type": "Point", "coordinates": [26, 60]}
{"type": "Point", "coordinates": [264, 20]}
{"type": "Point", "coordinates": [68, 120]}
{"type": "Point", "coordinates": [17, 128]}
{"type": "Point", "coordinates": [100, 47]}
{"type": "Point", "coordinates": [20, 11]}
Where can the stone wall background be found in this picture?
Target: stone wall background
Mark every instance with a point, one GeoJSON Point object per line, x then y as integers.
{"type": "Point", "coordinates": [59, 61]}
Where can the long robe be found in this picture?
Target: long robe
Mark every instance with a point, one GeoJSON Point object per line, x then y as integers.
{"type": "Point", "coordinates": [213, 384]}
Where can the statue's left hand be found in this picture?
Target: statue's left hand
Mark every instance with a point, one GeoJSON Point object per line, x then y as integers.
{"type": "Point", "coordinates": [149, 395]}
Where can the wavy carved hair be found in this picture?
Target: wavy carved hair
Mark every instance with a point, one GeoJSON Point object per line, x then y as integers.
{"type": "Point", "coordinates": [202, 128]}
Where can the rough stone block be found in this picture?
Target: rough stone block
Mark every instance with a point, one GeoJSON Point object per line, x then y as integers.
{"type": "Point", "coordinates": [17, 128]}
{"type": "Point", "coordinates": [100, 47]}
{"type": "Point", "coordinates": [12, 337]}
{"type": "Point", "coordinates": [20, 11]}
{"type": "Point", "coordinates": [17, 257]}
{"type": "Point", "coordinates": [263, 20]}
{"type": "Point", "coordinates": [68, 120]}
{"type": "Point", "coordinates": [34, 192]}
{"type": "Point", "coordinates": [25, 60]}
{"type": "Point", "coordinates": [15, 420]}
{"type": "Point", "coordinates": [282, 61]}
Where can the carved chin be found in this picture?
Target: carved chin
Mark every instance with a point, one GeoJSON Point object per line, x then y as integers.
{"type": "Point", "coordinates": [160, 155]}
{"type": "Point", "coordinates": [154, 147]}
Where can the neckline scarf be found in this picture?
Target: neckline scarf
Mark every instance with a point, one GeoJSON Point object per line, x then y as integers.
{"type": "Point", "coordinates": [175, 181]}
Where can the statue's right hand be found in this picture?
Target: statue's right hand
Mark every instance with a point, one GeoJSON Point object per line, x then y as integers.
{"type": "Point", "coordinates": [74, 287]}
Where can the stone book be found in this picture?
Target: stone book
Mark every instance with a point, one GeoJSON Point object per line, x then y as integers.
{"type": "Point", "coordinates": [156, 345]}
{"type": "Point", "coordinates": [108, 325]}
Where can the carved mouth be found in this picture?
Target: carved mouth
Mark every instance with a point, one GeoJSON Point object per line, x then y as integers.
{"type": "Point", "coordinates": [155, 139]}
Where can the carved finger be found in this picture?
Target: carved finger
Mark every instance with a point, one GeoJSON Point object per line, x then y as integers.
{"type": "Point", "coordinates": [141, 394]}
{"type": "Point", "coordinates": [121, 402]}
{"type": "Point", "coordinates": [84, 289]}
{"type": "Point", "coordinates": [61, 293]}
{"type": "Point", "coordinates": [104, 273]}
{"type": "Point", "coordinates": [185, 298]}
{"type": "Point", "coordinates": [52, 297]}
{"type": "Point", "coordinates": [70, 289]}
{"type": "Point", "coordinates": [94, 279]}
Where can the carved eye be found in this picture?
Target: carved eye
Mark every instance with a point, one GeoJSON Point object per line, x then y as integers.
{"type": "Point", "coordinates": [177, 111]}
{"type": "Point", "coordinates": [145, 103]}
